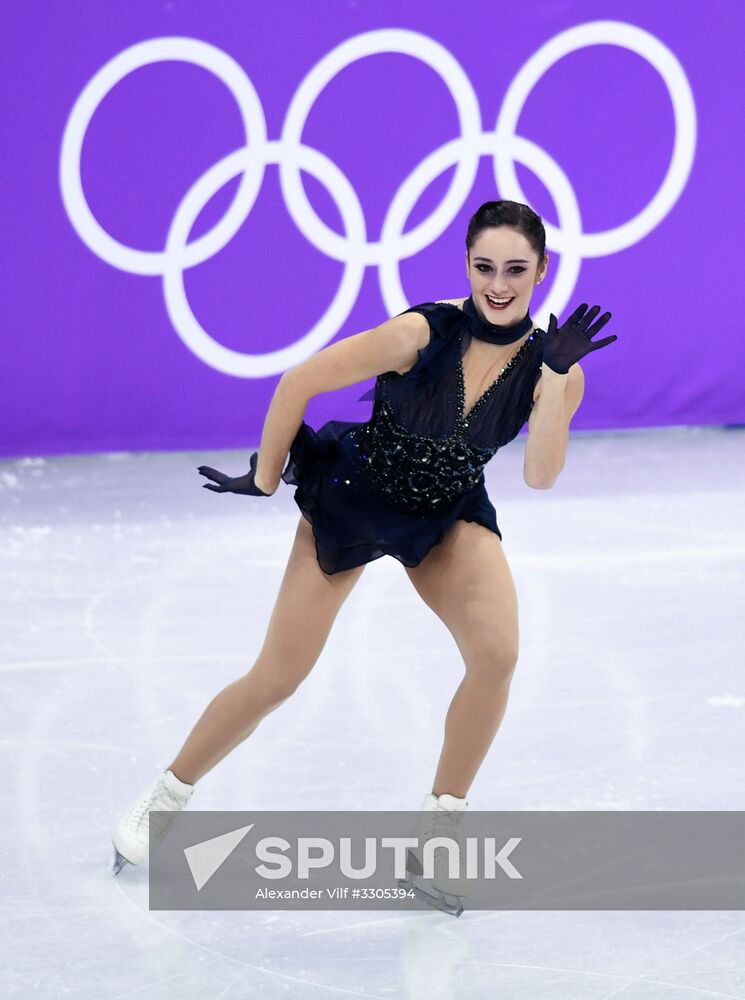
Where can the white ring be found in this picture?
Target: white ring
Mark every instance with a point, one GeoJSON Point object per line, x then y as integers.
{"type": "Point", "coordinates": [662, 59]}
{"type": "Point", "coordinates": [143, 54]}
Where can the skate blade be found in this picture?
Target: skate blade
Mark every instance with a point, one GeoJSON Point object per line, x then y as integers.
{"type": "Point", "coordinates": [118, 863]}
{"type": "Point", "coordinates": [444, 903]}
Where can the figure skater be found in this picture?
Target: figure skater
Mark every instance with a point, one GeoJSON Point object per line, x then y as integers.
{"type": "Point", "coordinates": [456, 380]}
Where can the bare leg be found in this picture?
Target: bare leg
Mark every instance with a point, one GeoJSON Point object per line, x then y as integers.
{"type": "Point", "coordinates": [467, 582]}
{"type": "Point", "coordinates": [471, 724]}
{"type": "Point", "coordinates": [306, 606]}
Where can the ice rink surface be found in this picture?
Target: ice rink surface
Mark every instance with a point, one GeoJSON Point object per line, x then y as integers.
{"type": "Point", "coordinates": [130, 596]}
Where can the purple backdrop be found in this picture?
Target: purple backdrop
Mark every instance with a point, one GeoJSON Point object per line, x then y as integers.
{"type": "Point", "coordinates": [128, 328]}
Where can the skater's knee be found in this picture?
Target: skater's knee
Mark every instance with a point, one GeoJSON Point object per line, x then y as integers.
{"type": "Point", "coordinates": [493, 658]}
{"type": "Point", "coordinates": [274, 683]}
{"type": "Point", "coordinates": [282, 689]}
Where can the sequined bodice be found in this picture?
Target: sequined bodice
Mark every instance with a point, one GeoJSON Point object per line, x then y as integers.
{"type": "Point", "coordinates": [420, 472]}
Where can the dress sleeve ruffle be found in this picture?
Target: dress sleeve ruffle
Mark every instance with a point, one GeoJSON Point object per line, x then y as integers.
{"type": "Point", "coordinates": [314, 453]}
{"type": "Point", "coordinates": [433, 360]}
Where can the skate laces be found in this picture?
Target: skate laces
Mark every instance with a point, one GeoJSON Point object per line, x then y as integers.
{"type": "Point", "coordinates": [441, 823]}
{"type": "Point", "coordinates": [167, 800]}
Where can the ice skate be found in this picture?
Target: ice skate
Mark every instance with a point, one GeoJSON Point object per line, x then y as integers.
{"type": "Point", "coordinates": [135, 834]}
{"type": "Point", "coordinates": [440, 818]}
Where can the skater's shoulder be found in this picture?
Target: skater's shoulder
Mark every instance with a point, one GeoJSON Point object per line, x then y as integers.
{"type": "Point", "coordinates": [458, 303]}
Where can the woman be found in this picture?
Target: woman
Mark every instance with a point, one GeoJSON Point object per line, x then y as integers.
{"type": "Point", "coordinates": [456, 380]}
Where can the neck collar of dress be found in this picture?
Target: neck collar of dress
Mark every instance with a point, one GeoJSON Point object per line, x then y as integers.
{"type": "Point", "coordinates": [493, 334]}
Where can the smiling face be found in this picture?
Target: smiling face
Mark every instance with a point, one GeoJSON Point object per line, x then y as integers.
{"type": "Point", "coordinates": [500, 265]}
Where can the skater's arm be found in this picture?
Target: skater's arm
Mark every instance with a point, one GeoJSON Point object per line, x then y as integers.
{"type": "Point", "coordinates": [391, 346]}
{"type": "Point", "coordinates": [281, 424]}
{"type": "Point", "coordinates": [387, 347]}
{"type": "Point", "coordinates": [557, 399]}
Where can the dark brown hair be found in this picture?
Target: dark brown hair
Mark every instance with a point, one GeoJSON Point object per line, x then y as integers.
{"type": "Point", "coordinates": [509, 213]}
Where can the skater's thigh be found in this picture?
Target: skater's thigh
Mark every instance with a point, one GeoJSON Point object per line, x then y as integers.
{"type": "Point", "coordinates": [307, 604]}
{"type": "Point", "coordinates": [467, 582]}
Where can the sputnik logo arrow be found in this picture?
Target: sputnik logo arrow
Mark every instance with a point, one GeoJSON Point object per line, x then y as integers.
{"type": "Point", "coordinates": [205, 858]}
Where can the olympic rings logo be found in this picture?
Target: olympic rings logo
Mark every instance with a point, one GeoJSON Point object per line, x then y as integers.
{"type": "Point", "coordinates": [352, 248]}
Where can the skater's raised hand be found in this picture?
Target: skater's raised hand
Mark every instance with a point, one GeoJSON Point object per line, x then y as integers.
{"type": "Point", "coordinates": [238, 484]}
{"type": "Point", "coordinates": [564, 345]}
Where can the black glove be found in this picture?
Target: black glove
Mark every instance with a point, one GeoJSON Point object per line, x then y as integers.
{"type": "Point", "coordinates": [239, 484]}
{"type": "Point", "coordinates": [564, 346]}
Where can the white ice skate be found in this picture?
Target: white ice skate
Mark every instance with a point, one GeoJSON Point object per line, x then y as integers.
{"type": "Point", "coordinates": [440, 818]}
{"type": "Point", "coordinates": [135, 833]}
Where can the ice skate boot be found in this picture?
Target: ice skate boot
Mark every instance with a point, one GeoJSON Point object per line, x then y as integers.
{"type": "Point", "coordinates": [440, 818]}
{"type": "Point", "coordinates": [135, 833]}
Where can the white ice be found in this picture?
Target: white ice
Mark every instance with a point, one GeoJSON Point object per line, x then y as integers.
{"type": "Point", "coordinates": [130, 596]}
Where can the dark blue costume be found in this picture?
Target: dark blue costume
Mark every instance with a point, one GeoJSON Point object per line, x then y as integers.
{"type": "Point", "coordinates": [395, 484]}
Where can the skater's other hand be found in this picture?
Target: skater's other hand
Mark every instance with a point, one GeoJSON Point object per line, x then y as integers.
{"type": "Point", "coordinates": [238, 484]}
{"type": "Point", "coordinates": [563, 346]}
